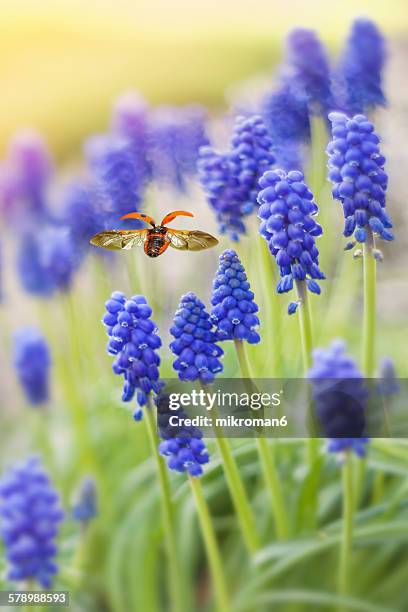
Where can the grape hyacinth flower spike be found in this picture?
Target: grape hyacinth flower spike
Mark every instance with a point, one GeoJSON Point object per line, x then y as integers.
{"type": "Point", "coordinates": [32, 166]}
{"type": "Point", "coordinates": [286, 116]}
{"type": "Point", "coordinates": [308, 69]}
{"type": "Point", "coordinates": [181, 444]}
{"type": "Point", "coordinates": [175, 137]}
{"type": "Point", "coordinates": [287, 212]}
{"type": "Point", "coordinates": [30, 513]}
{"type": "Point", "coordinates": [230, 179]}
{"type": "Point", "coordinates": [134, 340]}
{"type": "Point", "coordinates": [32, 362]}
{"type": "Point", "coordinates": [252, 154]}
{"type": "Point", "coordinates": [340, 397]}
{"type": "Point", "coordinates": [233, 306]}
{"type": "Point", "coordinates": [194, 344]}
{"type": "Point", "coordinates": [118, 177]}
{"type": "Point", "coordinates": [358, 78]}
{"type": "Point", "coordinates": [356, 169]}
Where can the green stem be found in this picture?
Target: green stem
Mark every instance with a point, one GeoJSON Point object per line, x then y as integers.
{"type": "Point", "coordinates": [307, 345]}
{"type": "Point", "coordinates": [268, 463]}
{"type": "Point", "coordinates": [173, 560]}
{"type": "Point", "coordinates": [369, 306]}
{"type": "Point", "coordinates": [305, 324]}
{"type": "Point", "coordinates": [347, 529]}
{"type": "Point", "coordinates": [238, 494]}
{"type": "Point", "coordinates": [275, 309]}
{"type": "Point", "coordinates": [271, 477]}
{"type": "Point", "coordinates": [242, 359]}
{"type": "Point", "coordinates": [213, 553]}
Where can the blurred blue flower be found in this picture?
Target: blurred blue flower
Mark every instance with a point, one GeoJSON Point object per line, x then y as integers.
{"type": "Point", "coordinates": [80, 215]}
{"type": "Point", "coordinates": [226, 196]}
{"type": "Point", "coordinates": [340, 398]}
{"type": "Point", "coordinates": [182, 444]}
{"type": "Point", "coordinates": [130, 119]}
{"type": "Point", "coordinates": [307, 67]}
{"type": "Point", "coordinates": [133, 339]}
{"type": "Point", "coordinates": [30, 513]}
{"type": "Point", "coordinates": [32, 361]}
{"type": "Point", "coordinates": [358, 78]}
{"type": "Point", "coordinates": [176, 135]}
{"type": "Point", "coordinates": [287, 224]}
{"type": "Point", "coordinates": [356, 169]}
{"type": "Point", "coordinates": [47, 260]}
{"type": "Point", "coordinates": [32, 167]}
{"type": "Point", "coordinates": [286, 116]}
{"type": "Point", "coordinates": [85, 507]}
{"type": "Point", "coordinates": [195, 342]}
{"type": "Point", "coordinates": [233, 306]}
{"type": "Point", "coordinates": [119, 180]}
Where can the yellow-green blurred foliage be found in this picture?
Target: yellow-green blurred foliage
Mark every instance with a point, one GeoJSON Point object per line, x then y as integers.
{"type": "Point", "coordinates": [62, 61]}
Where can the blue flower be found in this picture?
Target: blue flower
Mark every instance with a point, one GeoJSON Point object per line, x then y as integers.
{"type": "Point", "coordinates": [340, 398]}
{"type": "Point", "coordinates": [130, 120]}
{"type": "Point", "coordinates": [30, 513]}
{"type": "Point", "coordinates": [287, 224]}
{"type": "Point", "coordinates": [80, 215]}
{"type": "Point", "coordinates": [226, 196]}
{"type": "Point", "coordinates": [119, 180]}
{"type": "Point", "coordinates": [47, 261]}
{"type": "Point", "coordinates": [252, 153]}
{"type": "Point", "coordinates": [85, 507]}
{"type": "Point", "coordinates": [32, 166]}
{"type": "Point", "coordinates": [182, 444]}
{"type": "Point", "coordinates": [32, 362]}
{"type": "Point", "coordinates": [308, 69]}
{"type": "Point", "coordinates": [286, 116]}
{"type": "Point", "coordinates": [176, 135]}
{"type": "Point", "coordinates": [194, 342]}
{"type": "Point", "coordinates": [230, 179]}
{"type": "Point", "coordinates": [356, 169]}
{"type": "Point", "coordinates": [358, 79]}
{"type": "Point", "coordinates": [233, 306]}
{"type": "Point", "coordinates": [133, 339]}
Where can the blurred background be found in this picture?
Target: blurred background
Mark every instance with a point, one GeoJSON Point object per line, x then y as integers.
{"type": "Point", "coordinates": [62, 63]}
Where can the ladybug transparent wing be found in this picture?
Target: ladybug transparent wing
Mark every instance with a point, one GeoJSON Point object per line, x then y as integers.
{"type": "Point", "coordinates": [116, 240]}
{"type": "Point", "coordinates": [186, 240]}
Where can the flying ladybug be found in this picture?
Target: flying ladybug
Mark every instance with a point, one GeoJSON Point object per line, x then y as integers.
{"type": "Point", "coordinates": [155, 240]}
